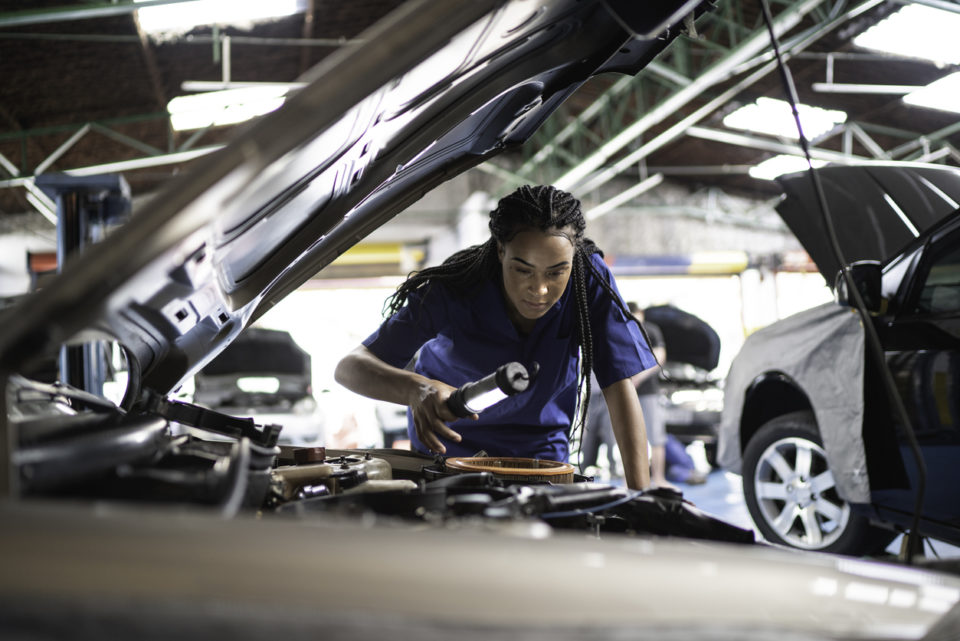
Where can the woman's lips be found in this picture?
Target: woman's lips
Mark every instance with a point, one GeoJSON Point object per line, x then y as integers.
{"type": "Point", "coordinates": [537, 307]}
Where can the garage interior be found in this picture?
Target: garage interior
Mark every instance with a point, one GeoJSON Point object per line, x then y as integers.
{"type": "Point", "coordinates": [674, 172]}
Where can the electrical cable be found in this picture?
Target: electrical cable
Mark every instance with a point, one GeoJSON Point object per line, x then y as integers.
{"type": "Point", "coordinates": [872, 339]}
{"type": "Point", "coordinates": [632, 494]}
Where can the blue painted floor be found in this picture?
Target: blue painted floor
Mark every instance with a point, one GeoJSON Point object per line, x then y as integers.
{"type": "Point", "coordinates": [722, 496]}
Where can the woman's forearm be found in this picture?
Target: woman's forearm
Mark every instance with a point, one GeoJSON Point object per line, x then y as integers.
{"type": "Point", "coordinates": [630, 431]}
{"type": "Point", "coordinates": [362, 372]}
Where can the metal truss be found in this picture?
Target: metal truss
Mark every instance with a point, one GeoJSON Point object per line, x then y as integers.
{"type": "Point", "coordinates": [695, 78]}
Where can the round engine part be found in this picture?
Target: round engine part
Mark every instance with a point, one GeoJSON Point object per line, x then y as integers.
{"type": "Point", "coordinates": [515, 468]}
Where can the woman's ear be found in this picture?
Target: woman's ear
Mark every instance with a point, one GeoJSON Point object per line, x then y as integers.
{"type": "Point", "coordinates": [500, 251]}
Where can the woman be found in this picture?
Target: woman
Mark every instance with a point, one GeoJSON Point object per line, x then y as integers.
{"type": "Point", "coordinates": [537, 290]}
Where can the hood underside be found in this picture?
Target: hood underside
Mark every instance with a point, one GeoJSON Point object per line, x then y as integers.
{"type": "Point", "coordinates": [435, 88]}
{"type": "Point", "coordinates": [876, 209]}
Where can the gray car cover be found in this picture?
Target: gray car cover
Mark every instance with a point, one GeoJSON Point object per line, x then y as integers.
{"type": "Point", "coordinates": [821, 350]}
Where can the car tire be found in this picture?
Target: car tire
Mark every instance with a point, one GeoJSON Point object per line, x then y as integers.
{"type": "Point", "coordinates": [791, 494]}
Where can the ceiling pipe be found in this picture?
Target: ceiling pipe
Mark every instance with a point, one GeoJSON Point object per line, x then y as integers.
{"type": "Point", "coordinates": [121, 165]}
{"type": "Point", "coordinates": [838, 87]}
{"type": "Point", "coordinates": [623, 197]}
{"type": "Point", "coordinates": [764, 144]}
{"type": "Point", "coordinates": [143, 163]}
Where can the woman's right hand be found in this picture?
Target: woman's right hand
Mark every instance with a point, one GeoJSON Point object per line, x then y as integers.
{"type": "Point", "coordinates": [428, 405]}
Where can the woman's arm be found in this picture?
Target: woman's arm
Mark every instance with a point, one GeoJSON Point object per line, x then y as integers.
{"type": "Point", "coordinates": [631, 432]}
{"type": "Point", "coordinates": [362, 372]}
{"type": "Point", "coordinates": [661, 355]}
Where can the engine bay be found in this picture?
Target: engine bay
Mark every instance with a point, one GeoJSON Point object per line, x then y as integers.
{"type": "Point", "coordinates": [77, 446]}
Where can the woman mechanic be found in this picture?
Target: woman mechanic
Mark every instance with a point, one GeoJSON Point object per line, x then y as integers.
{"type": "Point", "coordinates": [535, 291]}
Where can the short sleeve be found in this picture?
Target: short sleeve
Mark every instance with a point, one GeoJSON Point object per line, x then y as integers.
{"type": "Point", "coordinates": [619, 348]}
{"type": "Point", "coordinates": [399, 337]}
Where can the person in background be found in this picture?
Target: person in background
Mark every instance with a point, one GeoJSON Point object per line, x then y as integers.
{"type": "Point", "coordinates": [647, 384]}
{"type": "Point", "coordinates": [536, 291]}
{"type": "Point", "coordinates": [681, 467]}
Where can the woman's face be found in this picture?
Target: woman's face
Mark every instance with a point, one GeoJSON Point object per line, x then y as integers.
{"type": "Point", "coordinates": [536, 268]}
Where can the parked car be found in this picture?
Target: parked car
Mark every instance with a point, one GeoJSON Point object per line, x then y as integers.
{"type": "Point", "coordinates": [806, 420]}
{"type": "Point", "coordinates": [117, 526]}
{"type": "Point", "coordinates": [692, 395]}
{"type": "Point", "coordinates": [266, 376]}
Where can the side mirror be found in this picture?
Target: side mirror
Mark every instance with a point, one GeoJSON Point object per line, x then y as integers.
{"type": "Point", "coordinates": [866, 276]}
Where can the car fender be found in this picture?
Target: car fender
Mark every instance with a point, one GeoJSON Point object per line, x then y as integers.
{"type": "Point", "coordinates": [820, 351]}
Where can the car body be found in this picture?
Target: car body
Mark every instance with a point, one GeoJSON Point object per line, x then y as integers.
{"type": "Point", "coordinates": [266, 376]}
{"type": "Point", "coordinates": [116, 524]}
{"type": "Point", "coordinates": [807, 419]}
{"type": "Point", "coordinates": [692, 398]}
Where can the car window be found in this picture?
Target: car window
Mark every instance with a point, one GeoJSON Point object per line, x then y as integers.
{"type": "Point", "coordinates": [941, 288]}
{"type": "Point", "coordinates": [894, 274]}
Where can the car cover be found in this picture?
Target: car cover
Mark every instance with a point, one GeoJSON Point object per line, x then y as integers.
{"type": "Point", "coordinates": [822, 351]}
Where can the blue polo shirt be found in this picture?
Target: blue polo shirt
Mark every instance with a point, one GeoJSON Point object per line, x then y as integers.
{"type": "Point", "coordinates": [463, 338]}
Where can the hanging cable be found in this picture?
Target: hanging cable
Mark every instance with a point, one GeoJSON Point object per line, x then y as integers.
{"type": "Point", "coordinates": [914, 541]}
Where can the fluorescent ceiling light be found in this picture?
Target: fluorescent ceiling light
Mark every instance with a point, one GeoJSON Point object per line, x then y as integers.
{"type": "Point", "coordinates": [916, 31]}
{"type": "Point", "coordinates": [774, 117]}
{"type": "Point", "coordinates": [941, 94]}
{"type": "Point", "coordinates": [779, 165]}
{"type": "Point", "coordinates": [226, 107]}
{"type": "Point", "coordinates": [183, 16]}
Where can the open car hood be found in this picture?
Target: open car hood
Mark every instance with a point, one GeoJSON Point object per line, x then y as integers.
{"type": "Point", "coordinates": [876, 209]}
{"type": "Point", "coordinates": [688, 339]}
{"type": "Point", "coordinates": [435, 88]}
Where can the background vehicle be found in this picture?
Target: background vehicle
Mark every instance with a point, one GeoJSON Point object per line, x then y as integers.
{"type": "Point", "coordinates": [265, 375]}
{"type": "Point", "coordinates": [806, 420]}
{"type": "Point", "coordinates": [691, 390]}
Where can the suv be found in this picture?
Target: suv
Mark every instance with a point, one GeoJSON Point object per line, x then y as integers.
{"type": "Point", "coordinates": [806, 420]}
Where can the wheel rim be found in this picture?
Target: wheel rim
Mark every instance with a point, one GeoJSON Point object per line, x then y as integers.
{"type": "Point", "coordinates": [797, 496]}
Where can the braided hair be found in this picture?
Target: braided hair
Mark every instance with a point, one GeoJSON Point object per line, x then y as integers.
{"type": "Point", "coordinates": [549, 210]}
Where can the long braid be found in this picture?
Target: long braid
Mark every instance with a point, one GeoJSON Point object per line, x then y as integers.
{"type": "Point", "coordinates": [585, 337]}
{"type": "Point", "coordinates": [619, 302]}
{"type": "Point", "coordinates": [462, 271]}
